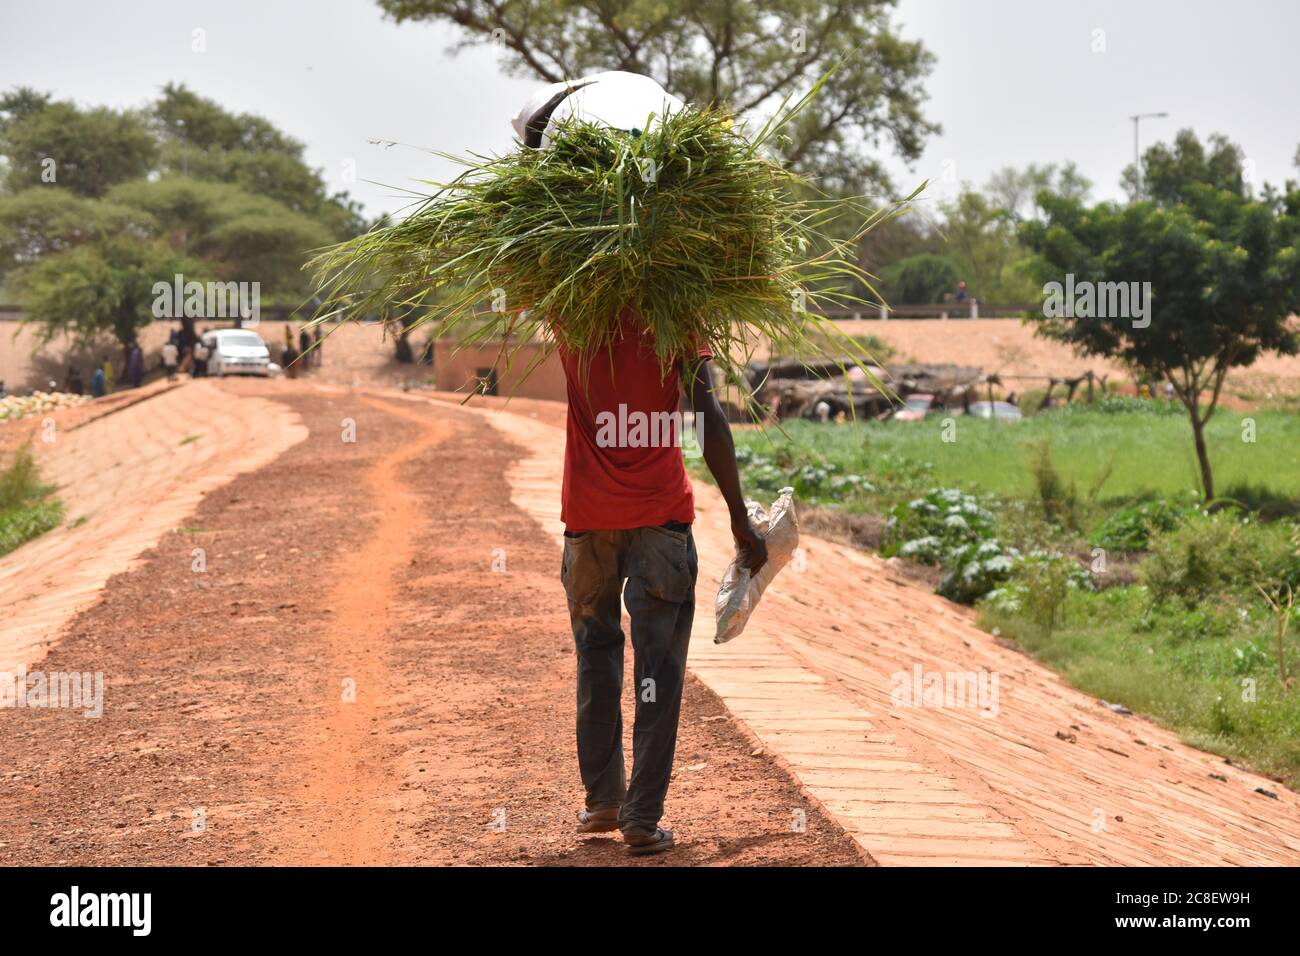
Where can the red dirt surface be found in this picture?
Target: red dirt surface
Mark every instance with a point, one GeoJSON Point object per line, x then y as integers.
{"type": "Point", "coordinates": [226, 737]}
{"type": "Point", "coordinates": [375, 667]}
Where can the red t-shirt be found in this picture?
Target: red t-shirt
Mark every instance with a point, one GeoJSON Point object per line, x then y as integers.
{"type": "Point", "coordinates": [623, 465]}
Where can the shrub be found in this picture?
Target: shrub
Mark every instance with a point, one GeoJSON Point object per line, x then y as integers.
{"type": "Point", "coordinates": [1060, 502]}
{"type": "Point", "coordinates": [1131, 529]}
{"type": "Point", "coordinates": [24, 512]}
{"type": "Point", "coordinates": [950, 528]}
{"type": "Point", "coordinates": [1040, 586]}
{"type": "Point", "coordinates": [1221, 554]}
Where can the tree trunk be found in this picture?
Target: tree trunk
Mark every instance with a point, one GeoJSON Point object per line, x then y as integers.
{"type": "Point", "coordinates": [1202, 456]}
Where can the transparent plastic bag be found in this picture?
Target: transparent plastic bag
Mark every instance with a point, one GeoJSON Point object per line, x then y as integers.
{"type": "Point", "coordinates": [739, 592]}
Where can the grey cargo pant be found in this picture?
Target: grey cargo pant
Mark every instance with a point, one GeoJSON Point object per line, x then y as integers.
{"type": "Point", "coordinates": [659, 565]}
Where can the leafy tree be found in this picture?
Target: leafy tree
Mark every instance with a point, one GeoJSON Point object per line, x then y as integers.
{"type": "Point", "coordinates": [1016, 191]}
{"type": "Point", "coordinates": [20, 103]}
{"type": "Point", "coordinates": [748, 56]}
{"type": "Point", "coordinates": [1168, 172]}
{"type": "Point", "coordinates": [243, 236]}
{"type": "Point", "coordinates": [922, 278]}
{"type": "Point", "coordinates": [101, 286]}
{"type": "Point", "coordinates": [201, 140]}
{"type": "Point", "coordinates": [85, 151]}
{"type": "Point", "coordinates": [981, 237]}
{"type": "Point", "coordinates": [40, 221]}
{"type": "Point", "coordinates": [1224, 272]}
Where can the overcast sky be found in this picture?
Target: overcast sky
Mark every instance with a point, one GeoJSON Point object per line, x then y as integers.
{"type": "Point", "coordinates": [1016, 81]}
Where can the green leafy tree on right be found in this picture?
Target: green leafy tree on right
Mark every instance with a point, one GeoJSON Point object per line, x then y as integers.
{"type": "Point", "coordinates": [1223, 268]}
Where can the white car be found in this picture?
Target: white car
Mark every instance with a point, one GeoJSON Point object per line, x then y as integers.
{"type": "Point", "coordinates": [1002, 411]}
{"type": "Point", "coordinates": [236, 352]}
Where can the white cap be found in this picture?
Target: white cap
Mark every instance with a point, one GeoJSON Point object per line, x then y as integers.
{"type": "Point", "coordinates": [615, 99]}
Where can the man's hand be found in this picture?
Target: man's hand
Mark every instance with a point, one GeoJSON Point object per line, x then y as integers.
{"type": "Point", "coordinates": [752, 547]}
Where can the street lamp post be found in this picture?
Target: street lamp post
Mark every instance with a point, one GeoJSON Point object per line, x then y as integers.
{"type": "Point", "coordinates": [1137, 155]}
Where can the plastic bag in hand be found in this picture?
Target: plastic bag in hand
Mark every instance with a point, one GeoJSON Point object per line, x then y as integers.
{"type": "Point", "coordinates": [739, 592]}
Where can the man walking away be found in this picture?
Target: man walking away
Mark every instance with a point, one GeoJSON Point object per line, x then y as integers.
{"type": "Point", "coordinates": [627, 508]}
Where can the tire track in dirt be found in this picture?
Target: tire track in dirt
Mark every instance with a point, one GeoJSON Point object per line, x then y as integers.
{"type": "Point", "coordinates": [348, 782]}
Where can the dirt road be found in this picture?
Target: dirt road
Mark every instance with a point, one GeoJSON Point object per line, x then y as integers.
{"type": "Point", "coordinates": [345, 643]}
{"type": "Point", "coordinates": [371, 664]}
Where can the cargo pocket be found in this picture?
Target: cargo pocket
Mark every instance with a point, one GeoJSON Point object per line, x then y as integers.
{"type": "Point", "coordinates": [580, 571]}
{"type": "Point", "coordinates": [666, 564]}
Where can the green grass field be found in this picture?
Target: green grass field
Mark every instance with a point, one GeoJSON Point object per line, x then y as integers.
{"type": "Point", "coordinates": [1143, 453]}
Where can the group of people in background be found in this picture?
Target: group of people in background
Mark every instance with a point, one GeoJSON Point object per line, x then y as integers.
{"type": "Point", "coordinates": [102, 379]}
{"type": "Point", "coordinates": [306, 354]}
{"type": "Point", "coordinates": [185, 352]}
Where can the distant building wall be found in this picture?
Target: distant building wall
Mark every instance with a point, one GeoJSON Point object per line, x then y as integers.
{"type": "Point", "coordinates": [461, 370]}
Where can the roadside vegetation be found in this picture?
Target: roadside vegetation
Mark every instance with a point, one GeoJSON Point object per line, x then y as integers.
{"type": "Point", "coordinates": [27, 508]}
{"type": "Point", "coordinates": [1081, 534]}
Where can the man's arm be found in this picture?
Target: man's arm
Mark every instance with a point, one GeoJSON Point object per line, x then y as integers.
{"type": "Point", "coordinates": [714, 435]}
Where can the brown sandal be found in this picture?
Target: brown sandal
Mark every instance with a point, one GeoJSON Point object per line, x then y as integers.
{"type": "Point", "coordinates": [598, 821]}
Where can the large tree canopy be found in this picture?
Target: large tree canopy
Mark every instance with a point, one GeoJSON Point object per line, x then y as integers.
{"type": "Point", "coordinates": [201, 140]}
{"type": "Point", "coordinates": [745, 55]}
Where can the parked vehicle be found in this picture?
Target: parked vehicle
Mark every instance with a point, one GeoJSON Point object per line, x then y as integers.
{"type": "Point", "coordinates": [1002, 411]}
{"type": "Point", "coordinates": [236, 352]}
{"type": "Point", "coordinates": [915, 407]}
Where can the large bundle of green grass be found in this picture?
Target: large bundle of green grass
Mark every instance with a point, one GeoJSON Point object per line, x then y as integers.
{"type": "Point", "coordinates": [688, 223]}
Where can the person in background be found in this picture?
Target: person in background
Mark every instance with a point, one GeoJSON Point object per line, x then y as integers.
{"type": "Point", "coordinates": [171, 357]}
{"type": "Point", "coordinates": [289, 361]}
{"type": "Point", "coordinates": [200, 358]}
{"type": "Point", "coordinates": [962, 295]}
{"type": "Point", "coordinates": [99, 382]}
{"type": "Point", "coordinates": [304, 347]}
{"type": "Point", "coordinates": [135, 366]}
{"type": "Point", "coordinates": [110, 378]}
{"type": "Point", "coordinates": [316, 346]}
